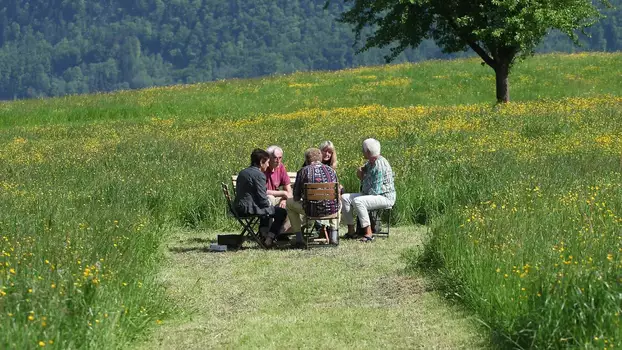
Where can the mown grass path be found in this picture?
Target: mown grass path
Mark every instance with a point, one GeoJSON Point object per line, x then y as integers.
{"type": "Point", "coordinates": [354, 296]}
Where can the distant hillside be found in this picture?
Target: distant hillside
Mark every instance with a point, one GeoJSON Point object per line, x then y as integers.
{"type": "Point", "coordinates": [58, 47]}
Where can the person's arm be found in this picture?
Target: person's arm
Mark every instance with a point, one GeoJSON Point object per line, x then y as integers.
{"type": "Point", "coordinates": [287, 184]}
{"type": "Point", "coordinates": [360, 171]}
{"type": "Point", "coordinates": [277, 193]}
{"type": "Point", "coordinates": [262, 195]}
{"type": "Point", "coordinates": [290, 191]}
{"type": "Point", "coordinates": [297, 193]}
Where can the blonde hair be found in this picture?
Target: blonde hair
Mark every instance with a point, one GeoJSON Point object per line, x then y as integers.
{"type": "Point", "coordinates": [333, 159]}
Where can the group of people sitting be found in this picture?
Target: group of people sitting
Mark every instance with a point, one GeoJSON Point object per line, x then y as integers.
{"type": "Point", "coordinates": [265, 189]}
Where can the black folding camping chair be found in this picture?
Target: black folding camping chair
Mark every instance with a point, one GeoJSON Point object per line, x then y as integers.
{"type": "Point", "coordinates": [250, 224]}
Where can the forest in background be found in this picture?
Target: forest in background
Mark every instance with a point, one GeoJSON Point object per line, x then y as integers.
{"type": "Point", "coordinates": [59, 47]}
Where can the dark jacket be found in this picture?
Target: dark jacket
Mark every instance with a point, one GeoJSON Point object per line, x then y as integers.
{"type": "Point", "coordinates": [250, 193]}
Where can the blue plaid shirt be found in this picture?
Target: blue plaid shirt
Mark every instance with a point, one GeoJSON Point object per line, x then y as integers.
{"type": "Point", "coordinates": [378, 179]}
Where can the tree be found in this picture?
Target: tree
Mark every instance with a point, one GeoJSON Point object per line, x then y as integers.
{"type": "Point", "coordinates": [499, 31]}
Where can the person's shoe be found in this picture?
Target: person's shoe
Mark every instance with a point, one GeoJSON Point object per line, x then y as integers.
{"type": "Point", "coordinates": [282, 238]}
{"type": "Point", "coordinates": [349, 236]}
{"type": "Point", "coordinates": [299, 243]}
{"type": "Point", "coordinates": [367, 239]}
{"type": "Point", "coordinates": [269, 242]}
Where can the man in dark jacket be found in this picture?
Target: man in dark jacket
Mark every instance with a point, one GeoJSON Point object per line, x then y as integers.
{"type": "Point", "coordinates": [251, 197]}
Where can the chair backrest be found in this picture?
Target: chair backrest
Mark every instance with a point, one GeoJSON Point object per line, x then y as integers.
{"type": "Point", "coordinates": [291, 175]}
{"type": "Point", "coordinates": [225, 192]}
{"type": "Point", "coordinates": [321, 191]}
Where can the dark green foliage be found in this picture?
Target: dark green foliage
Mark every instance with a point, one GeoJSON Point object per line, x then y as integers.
{"type": "Point", "coordinates": [499, 32]}
{"type": "Point", "coordinates": [53, 48]}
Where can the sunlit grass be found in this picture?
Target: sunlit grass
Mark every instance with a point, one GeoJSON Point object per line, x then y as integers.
{"type": "Point", "coordinates": [90, 184]}
{"type": "Point", "coordinates": [354, 296]}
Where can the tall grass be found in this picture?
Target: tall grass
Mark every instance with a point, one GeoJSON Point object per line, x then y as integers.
{"type": "Point", "coordinates": [89, 185]}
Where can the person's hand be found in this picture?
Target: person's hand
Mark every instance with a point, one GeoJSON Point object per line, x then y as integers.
{"type": "Point", "coordinates": [359, 172]}
{"type": "Point", "coordinates": [283, 203]}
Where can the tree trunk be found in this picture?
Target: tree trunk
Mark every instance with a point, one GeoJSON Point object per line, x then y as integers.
{"type": "Point", "coordinates": [502, 70]}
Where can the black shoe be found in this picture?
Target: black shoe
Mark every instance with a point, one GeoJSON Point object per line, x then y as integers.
{"type": "Point", "coordinates": [282, 238]}
{"type": "Point", "coordinates": [298, 245]}
{"type": "Point", "coordinates": [349, 236]}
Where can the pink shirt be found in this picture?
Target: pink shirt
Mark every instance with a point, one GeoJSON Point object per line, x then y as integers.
{"type": "Point", "coordinates": [276, 178]}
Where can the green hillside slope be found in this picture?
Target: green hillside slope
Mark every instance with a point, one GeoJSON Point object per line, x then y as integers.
{"type": "Point", "coordinates": [54, 48]}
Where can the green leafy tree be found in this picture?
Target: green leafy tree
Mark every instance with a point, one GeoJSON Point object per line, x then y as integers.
{"type": "Point", "coordinates": [499, 31]}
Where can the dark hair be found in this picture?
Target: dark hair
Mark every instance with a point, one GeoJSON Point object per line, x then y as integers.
{"type": "Point", "coordinates": [258, 156]}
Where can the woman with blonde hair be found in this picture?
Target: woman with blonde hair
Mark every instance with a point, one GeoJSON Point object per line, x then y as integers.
{"type": "Point", "coordinates": [329, 155]}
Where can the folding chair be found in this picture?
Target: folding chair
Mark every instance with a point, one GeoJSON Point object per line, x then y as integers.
{"type": "Point", "coordinates": [380, 215]}
{"type": "Point", "coordinates": [249, 223]}
{"type": "Point", "coordinates": [314, 192]}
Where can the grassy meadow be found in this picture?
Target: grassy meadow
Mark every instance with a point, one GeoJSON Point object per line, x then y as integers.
{"type": "Point", "coordinates": [524, 199]}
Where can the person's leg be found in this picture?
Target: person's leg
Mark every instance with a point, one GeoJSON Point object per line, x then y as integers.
{"type": "Point", "coordinates": [294, 213]}
{"type": "Point", "coordinates": [362, 204]}
{"type": "Point", "coordinates": [347, 210]}
{"type": "Point", "coordinates": [278, 217]}
{"type": "Point", "coordinates": [264, 225]}
{"type": "Point", "coordinates": [333, 233]}
{"type": "Point", "coordinates": [275, 201]}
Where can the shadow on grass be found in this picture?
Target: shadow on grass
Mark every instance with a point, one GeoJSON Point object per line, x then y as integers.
{"type": "Point", "coordinates": [197, 244]}
{"type": "Point", "coordinates": [192, 244]}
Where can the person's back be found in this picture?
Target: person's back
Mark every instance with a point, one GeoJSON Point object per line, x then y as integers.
{"type": "Point", "coordinates": [248, 199]}
{"type": "Point", "coordinates": [316, 173]}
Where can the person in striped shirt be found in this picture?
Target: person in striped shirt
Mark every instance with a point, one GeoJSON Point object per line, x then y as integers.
{"type": "Point", "coordinates": [377, 190]}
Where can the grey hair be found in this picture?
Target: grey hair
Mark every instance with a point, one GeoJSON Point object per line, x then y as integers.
{"type": "Point", "coordinates": [372, 146]}
{"type": "Point", "coordinates": [273, 149]}
{"type": "Point", "coordinates": [313, 155]}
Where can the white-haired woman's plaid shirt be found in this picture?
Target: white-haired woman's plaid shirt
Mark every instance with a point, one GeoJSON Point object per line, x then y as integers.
{"type": "Point", "coordinates": [378, 179]}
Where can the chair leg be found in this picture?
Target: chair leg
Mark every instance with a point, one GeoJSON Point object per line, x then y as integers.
{"type": "Point", "coordinates": [388, 222]}
{"type": "Point", "coordinates": [249, 231]}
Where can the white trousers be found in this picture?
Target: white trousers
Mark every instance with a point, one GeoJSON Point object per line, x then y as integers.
{"type": "Point", "coordinates": [358, 203]}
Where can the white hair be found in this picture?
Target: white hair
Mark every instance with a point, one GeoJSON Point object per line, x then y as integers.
{"type": "Point", "coordinates": [273, 149]}
{"type": "Point", "coordinates": [372, 146]}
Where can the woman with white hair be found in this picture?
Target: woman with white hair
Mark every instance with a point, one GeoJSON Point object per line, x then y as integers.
{"type": "Point", "coordinates": [377, 190]}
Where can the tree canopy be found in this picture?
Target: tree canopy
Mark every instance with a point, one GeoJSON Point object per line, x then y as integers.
{"type": "Point", "coordinates": [58, 47]}
{"type": "Point", "coordinates": [499, 31]}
